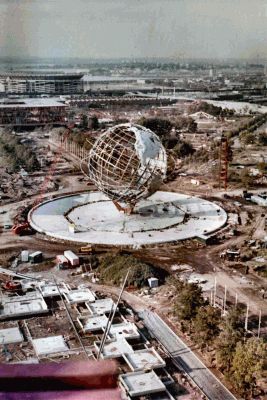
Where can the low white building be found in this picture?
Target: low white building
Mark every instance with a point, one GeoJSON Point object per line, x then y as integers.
{"type": "Point", "coordinates": [22, 306]}
{"type": "Point", "coordinates": [153, 282]}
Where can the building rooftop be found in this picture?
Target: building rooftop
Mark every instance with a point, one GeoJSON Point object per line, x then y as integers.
{"type": "Point", "coordinates": [93, 323]}
{"type": "Point", "coordinates": [45, 76]}
{"type": "Point", "coordinates": [31, 103]}
{"type": "Point", "coordinates": [126, 329]}
{"type": "Point", "coordinates": [10, 335]}
{"type": "Point", "coordinates": [101, 306]}
{"type": "Point", "coordinates": [142, 383]}
{"type": "Point", "coordinates": [115, 349]}
{"type": "Point", "coordinates": [144, 359]}
{"type": "Point", "coordinates": [51, 290]}
{"type": "Point", "coordinates": [79, 296]}
{"type": "Point", "coordinates": [49, 345]}
{"type": "Point", "coordinates": [21, 306]}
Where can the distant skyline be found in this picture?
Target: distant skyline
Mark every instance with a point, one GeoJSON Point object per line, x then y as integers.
{"type": "Point", "coordinates": [110, 29]}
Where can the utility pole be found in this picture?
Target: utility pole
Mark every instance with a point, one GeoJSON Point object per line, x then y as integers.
{"type": "Point", "coordinates": [259, 326]}
{"type": "Point", "coordinates": [215, 288]}
{"type": "Point", "coordinates": [224, 301]}
{"type": "Point", "coordinates": [246, 320]}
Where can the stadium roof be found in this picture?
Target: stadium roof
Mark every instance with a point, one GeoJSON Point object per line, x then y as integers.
{"type": "Point", "coordinates": [31, 103]}
{"type": "Point", "coordinates": [42, 76]}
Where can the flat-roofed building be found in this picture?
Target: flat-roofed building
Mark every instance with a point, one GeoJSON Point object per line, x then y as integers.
{"type": "Point", "coordinates": [79, 295]}
{"type": "Point", "coordinates": [10, 335]}
{"type": "Point", "coordinates": [41, 83]}
{"type": "Point", "coordinates": [49, 345]}
{"type": "Point", "coordinates": [100, 306]}
{"type": "Point", "coordinates": [18, 307]}
{"type": "Point", "coordinates": [125, 329]}
{"type": "Point", "coordinates": [144, 359]}
{"type": "Point", "coordinates": [114, 348]}
{"type": "Point", "coordinates": [92, 323]}
{"type": "Point", "coordinates": [32, 112]}
{"type": "Point", "coordinates": [142, 383]}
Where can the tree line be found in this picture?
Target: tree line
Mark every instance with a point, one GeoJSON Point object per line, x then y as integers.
{"type": "Point", "coordinates": [243, 360]}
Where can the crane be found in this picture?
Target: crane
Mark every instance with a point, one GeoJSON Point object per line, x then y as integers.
{"type": "Point", "coordinates": [8, 284]}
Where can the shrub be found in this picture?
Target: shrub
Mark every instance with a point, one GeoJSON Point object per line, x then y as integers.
{"type": "Point", "coordinates": [113, 269]}
{"type": "Point", "coordinates": [183, 149]}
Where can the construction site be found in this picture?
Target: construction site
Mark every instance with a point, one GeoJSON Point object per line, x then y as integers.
{"type": "Point", "coordinates": [133, 197]}
{"type": "Point", "coordinates": [52, 321]}
{"type": "Point", "coordinates": [58, 223]}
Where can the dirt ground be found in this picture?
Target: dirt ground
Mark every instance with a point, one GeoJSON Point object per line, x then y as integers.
{"type": "Point", "coordinates": [204, 260]}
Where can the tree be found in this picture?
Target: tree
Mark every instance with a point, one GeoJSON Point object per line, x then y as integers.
{"type": "Point", "coordinates": [186, 123]}
{"type": "Point", "coordinates": [206, 325]}
{"type": "Point", "coordinates": [160, 126]}
{"type": "Point", "coordinates": [183, 149]}
{"type": "Point", "coordinates": [84, 122]}
{"type": "Point", "coordinates": [231, 333]}
{"type": "Point", "coordinates": [88, 143]}
{"type": "Point", "coordinates": [208, 108]}
{"type": "Point", "coordinates": [233, 176]}
{"type": "Point", "coordinates": [93, 122]}
{"type": "Point", "coordinates": [189, 299]}
{"type": "Point", "coordinates": [249, 138]}
{"type": "Point", "coordinates": [113, 268]}
{"type": "Point", "coordinates": [262, 139]}
{"type": "Point", "coordinates": [248, 365]}
{"type": "Point", "coordinates": [192, 125]}
{"type": "Point", "coordinates": [230, 134]}
{"type": "Point", "coordinates": [79, 138]}
{"type": "Point", "coordinates": [262, 167]}
{"type": "Point", "coordinates": [32, 163]}
{"type": "Point", "coordinates": [201, 155]}
{"type": "Point", "coordinates": [246, 178]}
{"type": "Point", "coordinates": [172, 142]}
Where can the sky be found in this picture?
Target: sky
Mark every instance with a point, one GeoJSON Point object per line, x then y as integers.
{"type": "Point", "coordinates": [177, 29]}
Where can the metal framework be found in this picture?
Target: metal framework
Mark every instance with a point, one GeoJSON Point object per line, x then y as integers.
{"type": "Point", "coordinates": [32, 111]}
{"type": "Point", "coordinates": [32, 116]}
{"type": "Point", "coordinates": [116, 168]}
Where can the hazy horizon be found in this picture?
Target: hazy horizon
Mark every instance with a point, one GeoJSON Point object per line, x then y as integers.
{"type": "Point", "coordinates": [134, 29]}
{"type": "Point", "coordinates": [32, 59]}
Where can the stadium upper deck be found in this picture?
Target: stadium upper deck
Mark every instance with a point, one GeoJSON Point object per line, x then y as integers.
{"type": "Point", "coordinates": [31, 83]}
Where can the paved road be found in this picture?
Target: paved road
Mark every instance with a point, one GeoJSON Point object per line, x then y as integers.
{"type": "Point", "coordinates": [185, 358]}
